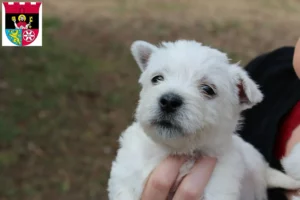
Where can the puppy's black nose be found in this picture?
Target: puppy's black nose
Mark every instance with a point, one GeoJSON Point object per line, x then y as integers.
{"type": "Point", "coordinates": [170, 102]}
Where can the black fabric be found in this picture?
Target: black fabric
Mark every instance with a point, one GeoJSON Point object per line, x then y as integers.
{"type": "Point", "coordinates": [275, 75]}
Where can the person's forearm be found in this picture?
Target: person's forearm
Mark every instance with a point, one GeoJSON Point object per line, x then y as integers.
{"type": "Point", "coordinates": [296, 61]}
{"type": "Point", "coordinates": [295, 139]}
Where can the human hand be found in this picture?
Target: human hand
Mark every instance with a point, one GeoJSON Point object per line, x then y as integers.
{"type": "Point", "coordinates": [191, 187]}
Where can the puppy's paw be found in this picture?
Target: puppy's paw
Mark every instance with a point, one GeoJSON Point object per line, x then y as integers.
{"type": "Point", "coordinates": [291, 163]}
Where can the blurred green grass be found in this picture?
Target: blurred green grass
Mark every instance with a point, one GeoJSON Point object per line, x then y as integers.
{"type": "Point", "coordinates": [35, 79]}
{"type": "Point", "coordinates": [54, 104]}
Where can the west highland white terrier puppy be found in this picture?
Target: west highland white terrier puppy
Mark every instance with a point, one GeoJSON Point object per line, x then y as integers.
{"type": "Point", "coordinates": [190, 104]}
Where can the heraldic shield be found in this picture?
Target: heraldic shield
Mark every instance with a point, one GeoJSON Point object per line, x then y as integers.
{"type": "Point", "coordinates": [22, 23]}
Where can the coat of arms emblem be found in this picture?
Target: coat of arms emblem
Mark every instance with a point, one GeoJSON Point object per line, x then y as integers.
{"type": "Point", "coordinates": [21, 24]}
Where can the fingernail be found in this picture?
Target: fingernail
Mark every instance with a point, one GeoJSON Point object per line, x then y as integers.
{"type": "Point", "coordinates": [208, 158]}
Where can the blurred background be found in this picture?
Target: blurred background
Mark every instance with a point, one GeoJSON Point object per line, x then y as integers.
{"type": "Point", "coordinates": [63, 105]}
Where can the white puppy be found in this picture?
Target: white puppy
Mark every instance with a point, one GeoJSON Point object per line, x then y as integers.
{"type": "Point", "coordinates": [190, 104]}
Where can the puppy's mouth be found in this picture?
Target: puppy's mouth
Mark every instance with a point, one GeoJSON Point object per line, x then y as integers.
{"type": "Point", "coordinates": [166, 124]}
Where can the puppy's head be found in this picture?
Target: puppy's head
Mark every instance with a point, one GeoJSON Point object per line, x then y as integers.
{"type": "Point", "coordinates": [190, 89]}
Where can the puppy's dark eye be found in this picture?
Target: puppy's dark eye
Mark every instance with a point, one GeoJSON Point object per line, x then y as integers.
{"type": "Point", "coordinates": [157, 79]}
{"type": "Point", "coordinates": [208, 91]}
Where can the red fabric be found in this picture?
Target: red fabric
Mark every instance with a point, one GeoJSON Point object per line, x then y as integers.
{"type": "Point", "coordinates": [290, 123]}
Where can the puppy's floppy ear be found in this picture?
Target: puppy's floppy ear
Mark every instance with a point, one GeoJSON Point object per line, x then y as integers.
{"type": "Point", "coordinates": [247, 90]}
{"type": "Point", "coordinates": [141, 52]}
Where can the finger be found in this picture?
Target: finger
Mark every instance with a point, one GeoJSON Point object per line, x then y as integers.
{"type": "Point", "coordinates": [193, 185]}
{"type": "Point", "coordinates": [296, 60]}
{"type": "Point", "coordinates": [162, 179]}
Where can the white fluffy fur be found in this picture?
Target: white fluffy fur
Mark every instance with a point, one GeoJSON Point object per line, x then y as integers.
{"type": "Point", "coordinates": [291, 164]}
{"type": "Point", "coordinates": [204, 126]}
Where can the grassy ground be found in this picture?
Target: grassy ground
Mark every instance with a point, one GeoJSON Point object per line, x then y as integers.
{"type": "Point", "coordinates": [63, 106]}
